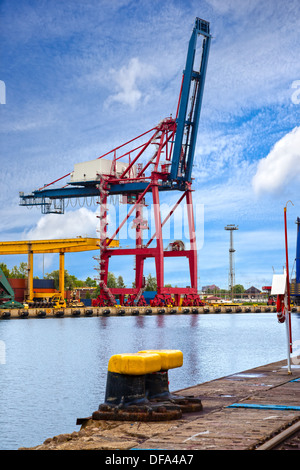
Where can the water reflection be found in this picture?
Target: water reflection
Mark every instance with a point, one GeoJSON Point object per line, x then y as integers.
{"type": "Point", "coordinates": [140, 321]}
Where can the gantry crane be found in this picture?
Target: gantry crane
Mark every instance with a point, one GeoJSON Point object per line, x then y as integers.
{"type": "Point", "coordinates": [61, 246]}
{"type": "Point", "coordinates": [136, 174]}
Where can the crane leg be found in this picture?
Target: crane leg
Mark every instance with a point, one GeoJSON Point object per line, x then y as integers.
{"type": "Point", "coordinates": [192, 235]}
{"type": "Point", "coordinates": [159, 257]}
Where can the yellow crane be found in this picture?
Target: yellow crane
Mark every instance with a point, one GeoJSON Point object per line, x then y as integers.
{"type": "Point", "coordinates": [61, 246]}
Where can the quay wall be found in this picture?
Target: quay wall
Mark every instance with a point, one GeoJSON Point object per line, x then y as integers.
{"type": "Point", "coordinates": [123, 311]}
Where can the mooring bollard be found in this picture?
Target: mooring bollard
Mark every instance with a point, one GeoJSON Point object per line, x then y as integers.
{"type": "Point", "coordinates": [125, 377]}
{"type": "Point", "coordinates": [137, 388]}
{"type": "Point", "coordinates": [125, 396]}
{"type": "Point", "coordinates": [157, 382]}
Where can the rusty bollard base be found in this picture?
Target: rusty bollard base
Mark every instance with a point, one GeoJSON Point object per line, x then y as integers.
{"type": "Point", "coordinates": [157, 382]}
{"type": "Point", "coordinates": [157, 390]}
{"type": "Point", "coordinates": [125, 400]}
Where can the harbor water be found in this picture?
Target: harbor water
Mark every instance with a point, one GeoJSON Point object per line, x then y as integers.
{"type": "Point", "coordinates": [53, 370]}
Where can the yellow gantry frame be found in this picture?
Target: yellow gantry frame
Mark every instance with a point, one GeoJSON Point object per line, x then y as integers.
{"type": "Point", "coordinates": [61, 246]}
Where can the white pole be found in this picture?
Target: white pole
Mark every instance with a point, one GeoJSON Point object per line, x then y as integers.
{"type": "Point", "coordinates": [287, 297]}
{"type": "Point", "coordinates": [288, 340]}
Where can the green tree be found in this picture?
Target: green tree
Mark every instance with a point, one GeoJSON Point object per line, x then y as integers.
{"type": "Point", "coordinates": [77, 282]}
{"type": "Point", "coordinates": [96, 292]}
{"type": "Point", "coordinates": [223, 293]}
{"type": "Point", "coordinates": [20, 272]}
{"type": "Point", "coordinates": [120, 282]}
{"type": "Point", "coordinates": [5, 270]}
{"type": "Point", "coordinates": [238, 289]}
{"type": "Point", "coordinates": [71, 281]}
{"type": "Point", "coordinates": [111, 283]}
{"type": "Point", "coordinates": [89, 282]}
{"type": "Point", "coordinates": [151, 284]}
{"type": "Point", "coordinates": [55, 276]}
{"type": "Point", "coordinates": [111, 280]}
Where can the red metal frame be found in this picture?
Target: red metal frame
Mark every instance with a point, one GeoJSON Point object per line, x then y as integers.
{"type": "Point", "coordinates": [162, 137]}
{"type": "Point", "coordinates": [158, 253]}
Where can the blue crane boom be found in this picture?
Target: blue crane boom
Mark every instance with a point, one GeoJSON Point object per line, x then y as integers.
{"type": "Point", "coordinates": [190, 105]}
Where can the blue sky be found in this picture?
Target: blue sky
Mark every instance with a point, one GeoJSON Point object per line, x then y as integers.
{"type": "Point", "coordinates": [82, 77]}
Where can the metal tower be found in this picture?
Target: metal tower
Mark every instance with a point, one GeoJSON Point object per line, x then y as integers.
{"type": "Point", "coordinates": [231, 275]}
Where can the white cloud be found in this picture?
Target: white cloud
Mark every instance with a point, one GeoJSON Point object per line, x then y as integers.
{"type": "Point", "coordinates": [81, 222]}
{"type": "Point", "coordinates": [127, 81]}
{"type": "Point", "coordinates": [281, 167]}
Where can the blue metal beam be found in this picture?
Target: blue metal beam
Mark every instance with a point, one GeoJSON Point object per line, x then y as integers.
{"type": "Point", "coordinates": [188, 119]}
{"type": "Point", "coordinates": [39, 197]}
{"type": "Point", "coordinates": [198, 103]}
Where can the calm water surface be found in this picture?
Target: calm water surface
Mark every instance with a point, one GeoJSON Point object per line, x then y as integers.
{"type": "Point", "coordinates": [55, 369]}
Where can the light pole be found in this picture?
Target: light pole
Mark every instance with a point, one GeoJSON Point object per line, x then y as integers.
{"type": "Point", "coordinates": [231, 276]}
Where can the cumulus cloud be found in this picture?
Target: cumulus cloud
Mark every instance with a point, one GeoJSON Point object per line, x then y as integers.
{"type": "Point", "coordinates": [281, 167]}
{"type": "Point", "coordinates": [127, 80]}
{"type": "Point", "coordinates": [82, 222]}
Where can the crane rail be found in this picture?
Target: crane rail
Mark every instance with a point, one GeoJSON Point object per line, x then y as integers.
{"type": "Point", "coordinates": [289, 437]}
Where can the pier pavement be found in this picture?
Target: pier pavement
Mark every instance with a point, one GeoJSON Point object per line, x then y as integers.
{"type": "Point", "coordinates": [240, 412]}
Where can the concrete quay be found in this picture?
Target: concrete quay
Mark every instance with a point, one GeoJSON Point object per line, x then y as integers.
{"type": "Point", "coordinates": [242, 411]}
{"type": "Point", "coordinates": [131, 311]}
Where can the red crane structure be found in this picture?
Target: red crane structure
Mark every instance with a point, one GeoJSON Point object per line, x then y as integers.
{"type": "Point", "coordinates": [136, 176]}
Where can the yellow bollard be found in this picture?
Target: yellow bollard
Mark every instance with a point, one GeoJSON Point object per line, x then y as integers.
{"type": "Point", "coordinates": [125, 395]}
